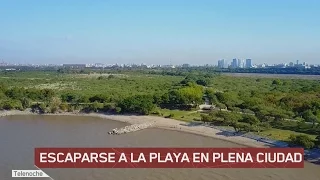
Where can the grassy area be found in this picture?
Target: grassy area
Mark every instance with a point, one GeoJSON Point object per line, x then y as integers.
{"type": "Point", "coordinates": [121, 85]}
{"type": "Point", "coordinates": [186, 116]}
{"type": "Point", "coordinates": [280, 134]}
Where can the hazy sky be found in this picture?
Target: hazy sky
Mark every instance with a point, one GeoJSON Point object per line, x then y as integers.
{"type": "Point", "coordinates": [159, 32]}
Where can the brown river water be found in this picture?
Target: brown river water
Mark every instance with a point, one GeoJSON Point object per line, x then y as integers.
{"type": "Point", "coordinates": [19, 135]}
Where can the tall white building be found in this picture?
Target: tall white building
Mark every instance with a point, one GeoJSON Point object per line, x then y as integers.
{"type": "Point", "coordinates": [240, 63]}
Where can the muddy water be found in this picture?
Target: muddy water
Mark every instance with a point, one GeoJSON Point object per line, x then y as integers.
{"type": "Point", "coordinates": [19, 135]}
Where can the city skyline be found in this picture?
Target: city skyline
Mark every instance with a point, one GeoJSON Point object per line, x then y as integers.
{"type": "Point", "coordinates": [222, 63]}
{"type": "Point", "coordinates": [170, 32]}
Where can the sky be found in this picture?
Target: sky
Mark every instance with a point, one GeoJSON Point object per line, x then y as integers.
{"type": "Point", "coordinates": [159, 32]}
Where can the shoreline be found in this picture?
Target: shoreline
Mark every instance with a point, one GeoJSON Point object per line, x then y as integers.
{"type": "Point", "coordinates": [159, 122]}
{"type": "Point", "coordinates": [311, 156]}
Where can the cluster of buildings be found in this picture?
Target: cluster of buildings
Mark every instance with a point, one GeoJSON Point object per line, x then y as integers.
{"type": "Point", "coordinates": [297, 64]}
{"type": "Point", "coordinates": [101, 65]}
{"type": "Point", "coordinates": [235, 63]}
{"type": "Point", "coordinates": [238, 63]}
{"type": "Point", "coordinates": [222, 64]}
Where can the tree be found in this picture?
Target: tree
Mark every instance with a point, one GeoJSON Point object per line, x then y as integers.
{"type": "Point", "coordinates": [211, 95]}
{"type": "Point", "coordinates": [15, 93]}
{"type": "Point", "coordinates": [265, 126]}
{"type": "Point", "coordinates": [111, 76]}
{"type": "Point", "coordinates": [244, 127]}
{"type": "Point", "coordinates": [232, 118]}
{"type": "Point", "coordinates": [142, 104]}
{"type": "Point", "coordinates": [43, 107]}
{"type": "Point", "coordinates": [205, 118]}
{"type": "Point", "coordinates": [190, 95]}
{"type": "Point", "coordinates": [64, 106]}
{"type": "Point", "coordinates": [69, 97]}
{"type": "Point", "coordinates": [251, 119]}
{"type": "Point", "coordinates": [230, 99]}
{"type": "Point", "coordinates": [101, 98]}
{"type": "Point", "coordinates": [47, 94]}
{"type": "Point", "coordinates": [278, 115]}
{"type": "Point", "coordinates": [9, 104]}
{"type": "Point", "coordinates": [3, 87]}
{"type": "Point", "coordinates": [54, 104]}
{"type": "Point", "coordinates": [222, 114]}
{"type": "Point", "coordinates": [188, 79]}
{"type": "Point", "coordinates": [276, 82]}
{"type": "Point", "coordinates": [301, 140]}
{"type": "Point", "coordinates": [236, 127]}
{"type": "Point", "coordinates": [202, 82]}
{"type": "Point", "coordinates": [95, 106]}
{"type": "Point", "coordinates": [301, 123]}
{"type": "Point", "coordinates": [25, 102]}
{"type": "Point", "coordinates": [229, 118]}
{"type": "Point", "coordinates": [310, 117]}
{"type": "Point", "coordinates": [221, 106]}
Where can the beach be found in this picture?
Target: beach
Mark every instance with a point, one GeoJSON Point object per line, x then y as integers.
{"type": "Point", "coordinates": [21, 132]}
{"type": "Point", "coordinates": [159, 122]}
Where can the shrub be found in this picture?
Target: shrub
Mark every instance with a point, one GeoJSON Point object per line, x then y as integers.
{"type": "Point", "coordinates": [265, 126]}
{"type": "Point", "coordinates": [26, 103]}
{"type": "Point", "coordinates": [302, 140]}
{"type": "Point", "coordinates": [63, 106]}
{"type": "Point", "coordinates": [11, 104]}
{"type": "Point", "coordinates": [118, 109]}
{"type": "Point", "coordinates": [43, 108]}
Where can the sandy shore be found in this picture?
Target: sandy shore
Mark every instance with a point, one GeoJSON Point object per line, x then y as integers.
{"type": "Point", "coordinates": [159, 122]}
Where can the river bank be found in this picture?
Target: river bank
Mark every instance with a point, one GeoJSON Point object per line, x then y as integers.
{"type": "Point", "coordinates": [176, 125]}
{"type": "Point", "coordinates": [159, 122]}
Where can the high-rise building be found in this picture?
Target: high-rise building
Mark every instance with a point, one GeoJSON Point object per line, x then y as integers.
{"type": "Point", "coordinates": [222, 63]}
{"type": "Point", "coordinates": [248, 63]}
{"type": "Point", "coordinates": [234, 63]}
{"type": "Point", "coordinates": [240, 63]}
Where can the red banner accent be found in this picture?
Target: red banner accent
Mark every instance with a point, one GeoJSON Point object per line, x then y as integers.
{"type": "Point", "coordinates": [169, 157]}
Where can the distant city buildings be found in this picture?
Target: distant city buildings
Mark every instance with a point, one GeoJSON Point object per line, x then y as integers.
{"type": "Point", "coordinates": [75, 66]}
{"type": "Point", "coordinates": [234, 63]}
{"type": "Point", "coordinates": [248, 63]}
{"type": "Point", "coordinates": [240, 63]}
{"type": "Point", "coordinates": [222, 64]}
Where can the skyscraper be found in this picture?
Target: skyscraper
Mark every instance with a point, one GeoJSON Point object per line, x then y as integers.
{"type": "Point", "coordinates": [248, 63]}
{"type": "Point", "coordinates": [234, 63]}
{"type": "Point", "coordinates": [221, 63]}
{"type": "Point", "coordinates": [240, 63]}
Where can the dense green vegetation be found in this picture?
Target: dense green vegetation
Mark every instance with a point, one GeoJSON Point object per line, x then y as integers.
{"type": "Point", "coordinates": [263, 106]}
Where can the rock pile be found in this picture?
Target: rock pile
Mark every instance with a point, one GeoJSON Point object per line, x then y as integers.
{"type": "Point", "coordinates": [131, 128]}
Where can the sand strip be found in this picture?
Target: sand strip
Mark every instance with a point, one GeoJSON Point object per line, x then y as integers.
{"type": "Point", "coordinates": [159, 122]}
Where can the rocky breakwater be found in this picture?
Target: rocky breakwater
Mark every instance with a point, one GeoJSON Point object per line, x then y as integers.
{"type": "Point", "coordinates": [131, 128]}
